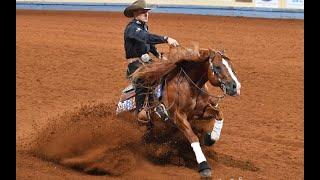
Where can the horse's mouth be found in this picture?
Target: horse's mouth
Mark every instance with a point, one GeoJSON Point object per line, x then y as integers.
{"type": "Point", "coordinates": [231, 92]}
{"type": "Point", "coordinates": [235, 94]}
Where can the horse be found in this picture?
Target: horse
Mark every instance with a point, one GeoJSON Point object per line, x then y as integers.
{"type": "Point", "coordinates": [186, 97]}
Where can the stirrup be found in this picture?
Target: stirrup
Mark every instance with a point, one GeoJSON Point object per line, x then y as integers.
{"type": "Point", "coordinates": [161, 111]}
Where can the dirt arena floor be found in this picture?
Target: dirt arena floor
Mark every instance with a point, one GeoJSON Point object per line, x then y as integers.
{"type": "Point", "coordinates": [70, 68]}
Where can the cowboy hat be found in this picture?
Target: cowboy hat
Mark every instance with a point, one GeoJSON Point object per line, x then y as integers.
{"type": "Point", "coordinates": [137, 5]}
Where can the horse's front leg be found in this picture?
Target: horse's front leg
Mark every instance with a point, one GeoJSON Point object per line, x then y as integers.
{"type": "Point", "coordinates": [211, 137]}
{"type": "Point", "coordinates": [185, 127]}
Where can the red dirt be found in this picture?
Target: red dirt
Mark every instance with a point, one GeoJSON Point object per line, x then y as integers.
{"type": "Point", "coordinates": [71, 68]}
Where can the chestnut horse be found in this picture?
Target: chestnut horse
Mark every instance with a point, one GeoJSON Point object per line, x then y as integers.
{"type": "Point", "coordinates": [185, 94]}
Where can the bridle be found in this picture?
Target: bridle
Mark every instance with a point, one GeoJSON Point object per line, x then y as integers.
{"type": "Point", "coordinates": [200, 89]}
{"type": "Point", "coordinates": [215, 70]}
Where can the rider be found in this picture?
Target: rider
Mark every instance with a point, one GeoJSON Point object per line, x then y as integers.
{"type": "Point", "coordinates": [138, 42]}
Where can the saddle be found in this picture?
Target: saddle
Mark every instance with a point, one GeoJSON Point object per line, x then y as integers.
{"type": "Point", "coordinates": [127, 101]}
{"type": "Point", "coordinates": [127, 93]}
{"type": "Point", "coordinates": [127, 98]}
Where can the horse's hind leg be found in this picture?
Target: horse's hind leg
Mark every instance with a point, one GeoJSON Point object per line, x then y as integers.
{"type": "Point", "coordinates": [184, 126]}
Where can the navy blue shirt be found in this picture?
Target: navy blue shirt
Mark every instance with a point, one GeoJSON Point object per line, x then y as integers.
{"type": "Point", "coordinates": [138, 41]}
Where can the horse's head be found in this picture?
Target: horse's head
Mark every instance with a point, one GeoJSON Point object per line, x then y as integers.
{"type": "Point", "coordinates": [222, 74]}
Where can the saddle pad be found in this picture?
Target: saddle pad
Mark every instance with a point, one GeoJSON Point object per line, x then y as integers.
{"type": "Point", "coordinates": [126, 105]}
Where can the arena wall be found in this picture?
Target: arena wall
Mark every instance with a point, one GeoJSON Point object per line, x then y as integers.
{"type": "Point", "coordinates": [251, 8]}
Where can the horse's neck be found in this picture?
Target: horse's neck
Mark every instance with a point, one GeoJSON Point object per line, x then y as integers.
{"type": "Point", "coordinates": [197, 72]}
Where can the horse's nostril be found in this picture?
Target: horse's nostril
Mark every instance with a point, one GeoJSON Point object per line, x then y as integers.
{"type": "Point", "coordinates": [234, 86]}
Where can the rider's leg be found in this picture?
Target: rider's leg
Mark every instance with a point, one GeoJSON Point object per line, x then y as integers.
{"type": "Point", "coordinates": [140, 91]}
{"type": "Point", "coordinates": [138, 84]}
{"type": "Point", "coordinates": [132, 67]}
{"type": "Point", "coordinates": [140, 94]}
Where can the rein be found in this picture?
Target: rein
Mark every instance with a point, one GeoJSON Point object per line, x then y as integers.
{"type": "Point", "coordinates": [195, 85]}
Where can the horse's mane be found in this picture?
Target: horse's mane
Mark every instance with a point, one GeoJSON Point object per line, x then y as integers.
{"type": "Point", "coordinates": [152, 73]}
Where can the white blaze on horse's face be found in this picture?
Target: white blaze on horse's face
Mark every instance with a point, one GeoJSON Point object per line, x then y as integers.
{"type": "Point", "coordinates": [233, 76]}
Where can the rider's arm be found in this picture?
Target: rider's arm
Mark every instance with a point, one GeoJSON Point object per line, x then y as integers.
{"type": "Point", "coordinates": [154, 51]}
{"type": "Point", "coordinates": [137, 33]}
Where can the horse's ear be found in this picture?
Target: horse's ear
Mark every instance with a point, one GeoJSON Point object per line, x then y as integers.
{"type": "Point", "coordinates": [223, 53]}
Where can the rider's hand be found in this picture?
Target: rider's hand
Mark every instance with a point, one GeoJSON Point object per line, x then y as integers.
{"type": "Point", "coordinates": [172, 42]}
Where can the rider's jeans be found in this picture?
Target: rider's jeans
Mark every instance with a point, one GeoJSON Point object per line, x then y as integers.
{"type": "Point", "coordinates": [140, 94]}
{"type": "Point", "coordinates": [140, 90]}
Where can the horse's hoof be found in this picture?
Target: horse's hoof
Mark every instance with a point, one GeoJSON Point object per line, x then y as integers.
{"type": "Point", "coordinates": [206, 173]}
{"type": "Point", "coordinates": [207, 139]}
{"type": "Point", "coordinates": [204, 170]}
